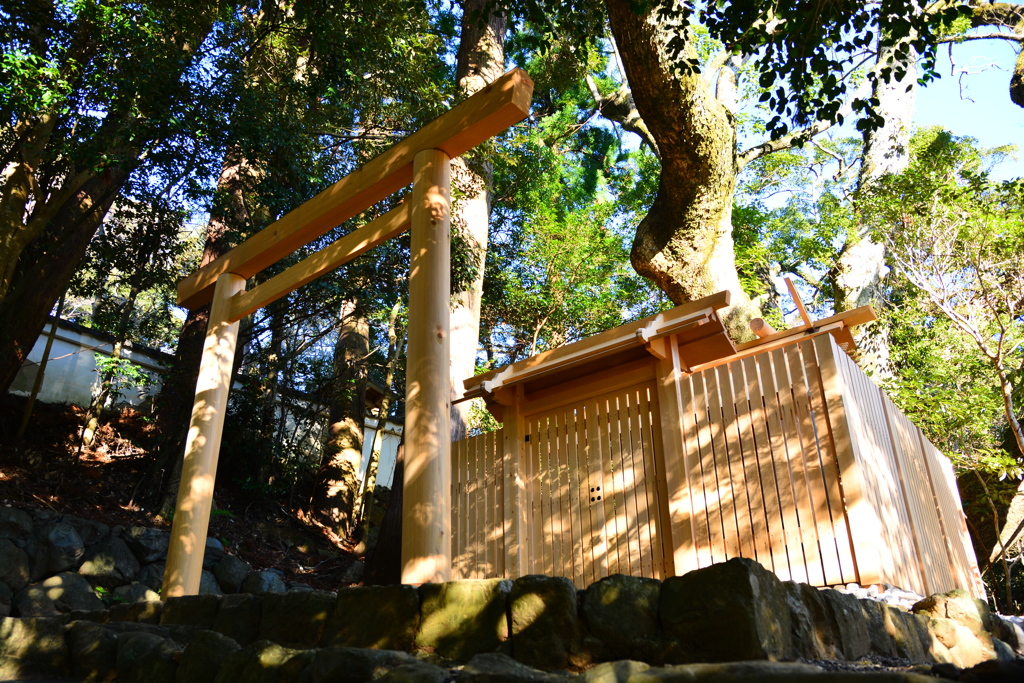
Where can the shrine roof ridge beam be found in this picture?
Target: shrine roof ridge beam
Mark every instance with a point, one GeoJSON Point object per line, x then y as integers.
{"type": "Point", "coordinates": [492, 110]}
{"type": "Point", "coordinates": [626, 336]}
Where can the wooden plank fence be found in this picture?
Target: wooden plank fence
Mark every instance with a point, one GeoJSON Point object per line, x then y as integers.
{"type": "Point", "coordinates": [792, 457]}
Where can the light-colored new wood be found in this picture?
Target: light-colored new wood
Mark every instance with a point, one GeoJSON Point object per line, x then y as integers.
{"type": "Point", "coordinates": [202, 448]}
{"type": "Point", "coordinates": [778, 453]}
{"type": "Point", "coordinates": [376, 232]}
{"type": "Point", "coordinates": [830, 468]}
{"type": "Point", "coordinates": [514, 492]}
{"type": "Point", "coordinates": [678, 499]}
{"type": "Point", "coordinates": [761, 328]}
{"type": "Point", "coordinates": [865, 528]}
{"type": "Point", "coordinates": [783, 478]}
{"type": "Point", "coordinates": [850, 318]}
{"type": "Point", "coordinates": [775, 536]}
{"type": "Point", "coordinates": [426, 510]}
{"type": "Point", "coordinates": [799, 303]}
{"type": "Point", "coordinates": [603, 344]}
{"type": "Point", "coordinates": [759, 535]}
{"type": "Point", "coordinates": [485, 114]}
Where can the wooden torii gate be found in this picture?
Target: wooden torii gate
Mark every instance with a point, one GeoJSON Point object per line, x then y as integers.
{"type": "Point", "coordinates": [422, 159]}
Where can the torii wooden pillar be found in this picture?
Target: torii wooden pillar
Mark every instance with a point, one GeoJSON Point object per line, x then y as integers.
{"type": "Point", "coordinates": [423, 159]}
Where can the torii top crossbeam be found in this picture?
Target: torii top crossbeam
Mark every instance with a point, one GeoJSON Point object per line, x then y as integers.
{"type": "Point", "coordinates": [423, 160]}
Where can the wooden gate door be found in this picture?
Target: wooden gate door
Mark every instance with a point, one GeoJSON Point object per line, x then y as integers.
{"type": "Point", "coordinates": [595, 489]}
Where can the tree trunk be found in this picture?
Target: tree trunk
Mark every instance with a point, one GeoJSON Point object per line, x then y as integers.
{"type": "Point", "coordinates": [99, 401]}
{"type": "Point", "coordinates": [368, 489]}
{"type": "Point", "coordinates": [338, 481]}
{"type": "Point", "coordinates": [684, 243]}
{"type": "Point", "coordinates": [862, 263]}
{"type": "Point", "coordinates": [384, 566]}
{"type": "Point", "coordinates": [37, 384]}
{"type": "Point", "coordinates": [45, 269]}
{"type": "Point", "coordinates": [481, 60]}
{"type": "Point", "coordinates": [177, 393]}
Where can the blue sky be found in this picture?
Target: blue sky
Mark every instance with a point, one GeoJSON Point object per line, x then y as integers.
{"type": "Point", "coordinates": [972, 98]}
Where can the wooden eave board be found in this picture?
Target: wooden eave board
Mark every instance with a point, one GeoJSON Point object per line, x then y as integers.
{"type": "Point", "coordinates": [487, 113]}
{"type": "Point", "coordinates": [572, 360]}
{"type": "Point", "coordinates": [851, 318]}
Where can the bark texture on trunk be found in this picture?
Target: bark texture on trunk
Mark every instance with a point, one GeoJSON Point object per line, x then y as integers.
{"type": "Point", "coordinates": [177, 392]}
{"type": "Point", "coordinates": [46, 266]}
{"type": "Point", "coordinates": [481, 60]}
{"type": "Point", "coordinates": [338, 481]}
{"type": "Point", "coordinates": [684, 244]}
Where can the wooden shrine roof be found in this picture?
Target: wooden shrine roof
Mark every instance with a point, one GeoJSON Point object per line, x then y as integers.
{"type": "Point", "coordinates": [703, 342]}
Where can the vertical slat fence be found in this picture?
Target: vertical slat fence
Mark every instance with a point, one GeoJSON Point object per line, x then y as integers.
{"type": "Point", "coordinates": [778, 448]}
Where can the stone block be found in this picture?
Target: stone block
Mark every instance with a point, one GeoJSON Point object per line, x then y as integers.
{"type": "Point", "coordinates": [813, 634]}
{"type": "Point", "coordinates": [134, 592]}
{"type": "Point", "coordinates": [352, 665]}
{"type": "Point", "coordinates": [460, 619]}
{"type": "Point", "coordinates": [263, 662]}
{"type": "Point", "coordinates": [208, 584]}
{"type": "Point", "coordinates": [296, 619]}
{"type": "Point", "coordinates": [152, 575]}
{"type": "Point", "coordinates": [148, 544]}
{"type": "Point", "coordinates": [13, 565]}
{"type": "Point", "coordinates": [545, 621]}
{"type": "Point", "coordinates": [90, 531]}
{"type": "Point", "coordinates": [620, 613]}
{"type": "Point", "coordinates": [213, 553]}
{"type": "Point", "coordinates": [109, 563]}
{"type": "Point", "coordinates": [731, 611]}
{"type": "Point", "coordinates": [203, 657]}
{"type": "Point", "coordinates": [499, 668]}
{"type": "Point", "coordinates": [396, 616]}
{"type": "Point", "coordinates": [231, 572]}
{"type": "Point", "coordinates": [144, 612]}
{"type": "Point", "coordinates": [418, 672]}
{"type": "Point", "coordinates": [614, 672]}
{"type": "Point", "coordinates": [263, 581]}
{"type": "Point", "coordinates": [873, 613]}
{"type": "Point", "coordinates": [58, 594]}
{"type": "Point", "coordinates": [54, 548]}
{"type": "Point", "coordinates": [959, 606]}
{"type": "Point", "coordinates": [92, 650]}
{"type": "Point", "coordinates": [192, 610]}
{"type": "Point", "coordinates": [910, 635]}
{"type": "Point", "coordinates": [32, 648]}
{"type": "Point", "coordinates": [15, 524]}
{"type": "Point", "coordinates": [146, 658]}
{"type": "Point", "coordinates": [847, 622]}
{"type": "Point", "coordinates": [239, 617]}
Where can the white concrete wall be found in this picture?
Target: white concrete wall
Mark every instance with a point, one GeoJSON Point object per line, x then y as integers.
{"type": "Point", "coordinates": [71, 375]}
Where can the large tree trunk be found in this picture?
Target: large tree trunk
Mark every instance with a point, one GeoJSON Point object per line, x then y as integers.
{"type": "Point", "coordinates": [338, 481]}
{"type": "Point", "coordinates": [481, 60]}
{"type": "Point", "coordinates": [684, 244]}
{"type": "Point", "coordinates": [861, 267]}
{"type": "Point", "coordinates": [45, 269]}
{"type": "Point", "coordinates": [177, 392]}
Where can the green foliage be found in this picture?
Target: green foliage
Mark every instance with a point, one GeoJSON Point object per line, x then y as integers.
{"type": "Point", "coordinates": [558, 267]}
{"type": "Point", "coordinates": [956, 239]}
{"type": "Point", "coordinates": [123, 375]}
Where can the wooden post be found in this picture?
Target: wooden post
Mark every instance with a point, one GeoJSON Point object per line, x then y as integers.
{"type": "Point", "coordinates": [516, 501]}
{"type": "Point", "coordinates": [681, 553]}
{"type": "Point", "coordinates": [199, 469]}
{"type": "Point", "coordinates": [426, 510]}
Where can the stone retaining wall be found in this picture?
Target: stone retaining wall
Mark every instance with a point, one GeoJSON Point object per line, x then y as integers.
{"type": "Point", "coordinates": [730, 612]}
{"type": "Point", "coordinates": [51, 564]}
